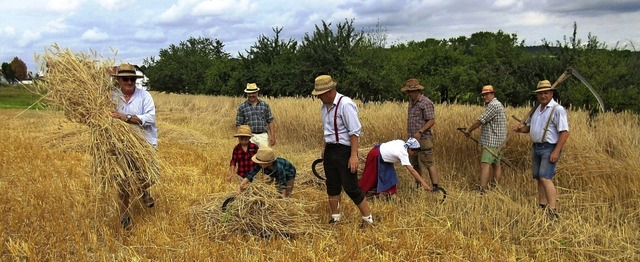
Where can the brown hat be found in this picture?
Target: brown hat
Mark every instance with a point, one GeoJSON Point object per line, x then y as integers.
{"type": "Point", "coordinates": [264, 155]}
{"type": "Point", "coordinates": [127, 70]}
{"type": "Point", "coordinates": [251, 88]}
{"type": "Point", "coordinates": [487, 89]}
{"type": "Point", "coordinates": [412, 85]}
{"type": "Point", "coordinates": [323, 84]}
{"type": "Point", "coordinates": [243, 130]}
{"type": "Point", "coordinates": [544, 85]}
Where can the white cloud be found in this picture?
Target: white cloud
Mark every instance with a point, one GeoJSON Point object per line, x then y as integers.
{"type": "Point", "coordinates": [171, 15]}
{"type": "Point", "coordinates": [8, 31]}
{"type": "Point", "coordinates": [55, 26]}
{"type": "Point", "coordinates": [150, 36]}
{"type": "Point", "coordinates": [94, 35]}
{"type": "Point", "coordinates": [115, 5]}
{"type": "Point", "coordinates": [28, 37]}
{"type": "Point", "coordinates": [64, 6]}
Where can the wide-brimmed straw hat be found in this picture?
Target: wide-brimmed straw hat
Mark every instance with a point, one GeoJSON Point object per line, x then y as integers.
{"type": "Point", "coordinates": [127, 70]}
{"type": "Point", "coordinates": [412, 143]}
{"type": "Point", "coordinates": [323, 84]}
{"type": "Point", "coordinates": [243, 130]}
{"type": "Point", "coordinates": [264, 155]}
{"type": "Point", "coordinates": [487, 89]}
{"type": "Point", "coordinates": [251, 88]}
{"type": "Point", "coordinates": [544, 85]}
{"type": "Point", "coordinates": [412, 85]}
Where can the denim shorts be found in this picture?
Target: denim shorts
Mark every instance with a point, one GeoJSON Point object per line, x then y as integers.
{"type": "Point", "coordinates": [541, 167]}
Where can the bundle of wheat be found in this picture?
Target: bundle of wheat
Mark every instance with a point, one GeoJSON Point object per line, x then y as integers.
{"type": "Point", "coordinates": [81, 86]}
{"type": "Point", "coordinates": [257, 211]}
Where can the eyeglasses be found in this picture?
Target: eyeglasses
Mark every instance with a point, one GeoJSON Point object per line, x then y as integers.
{"type": "Point", "coordinates": [129, 79]}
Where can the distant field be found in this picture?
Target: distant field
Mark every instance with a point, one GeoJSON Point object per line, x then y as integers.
{"type": "Point", "coordinates": [17, 96]}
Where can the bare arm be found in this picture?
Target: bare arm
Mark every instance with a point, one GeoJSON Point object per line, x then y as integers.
{"type": "Point", "coordinates": [417, 177]}
{"type": "Point", "coordinates": [353, 159]}
{"type": "Point", "coordinates": [272, 133]}
{"type": "Point", "coordinates": [562, 139]}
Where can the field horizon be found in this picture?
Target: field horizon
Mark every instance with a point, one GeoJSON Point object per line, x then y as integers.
{"type": "Point", "coordinates": [54, 211]}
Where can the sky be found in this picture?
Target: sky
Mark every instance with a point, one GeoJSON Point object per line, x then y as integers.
{"type": "Point", "coordinates": [129, 31]}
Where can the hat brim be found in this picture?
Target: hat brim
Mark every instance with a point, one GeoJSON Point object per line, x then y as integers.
{"type": "Point", "coordinates": [127, 75]}
{"type": "Point", "coordinates": [245, 135]}
{"type": "Point", "coordinates": [544, 89]}
{"type": "Point", "coordinates": [255, 160]}
{"type": "Point", "coordinates": [317, 92]}
{"type": "Point", "coordinates": [246, 91]}
{"type": "Point", "coordinates": [487, 92]}
{"type": "Point", "coordinates": [407, 89]}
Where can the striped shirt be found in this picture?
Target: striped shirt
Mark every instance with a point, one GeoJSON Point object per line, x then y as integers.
{"type": "Point", "coordinates": [141, 105]}
{"type": "Point", "coordinates": [494, 125]}
{"type": "Point", "coordinates": [538, 122]}
{"type": "Point", "coordinates": [257, 117]}
{"type": "Point", "coordinates": [242, 159]}
{"type": "Point", "coordinates": [347, 120]}
{"type": "Point", "coordinates": [420, 111]}
{"type": "Point", "coordinates": [282, 170]}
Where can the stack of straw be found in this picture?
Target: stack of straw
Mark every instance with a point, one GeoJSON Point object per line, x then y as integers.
{"type": "Point", "coordinates": [82, 87]}
{"type": "Point", "coordinates": [258, 211]}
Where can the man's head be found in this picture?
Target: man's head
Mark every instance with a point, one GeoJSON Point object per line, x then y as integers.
{"type": "Point", "coordinates": [544, 92]}
{"type": "Point", "coordinates": [324, 88]}
{"type": "Point", "coordinates": [412, 87]}
{"type": "Point", "coordinates": [252, 92]}
{"type": "Point", "coordinates": [487, 93]}
{"type": "Point", "coordinates": [126, 77]}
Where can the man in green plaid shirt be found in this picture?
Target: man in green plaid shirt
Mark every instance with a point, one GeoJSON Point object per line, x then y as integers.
{"type": "Point", "coordinates": [492, 136]}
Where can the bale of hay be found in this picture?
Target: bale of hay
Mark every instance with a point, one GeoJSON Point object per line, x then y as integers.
{"type": "Point", "coordinates": [80, 85]}
{"type": "Point", "coordinates": [258, 211]}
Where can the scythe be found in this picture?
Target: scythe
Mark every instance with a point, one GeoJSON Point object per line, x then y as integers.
{"type": "Point", "coordinates": [567, 73]}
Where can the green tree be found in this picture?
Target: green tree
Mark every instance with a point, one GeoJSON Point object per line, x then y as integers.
{"type": "Point", "coordinates": [272, 63]}
{"type": "Point", "coordinates": [19, 69]}
{"type": "Point", "coordinates": [7, 72]}
{"type": "Point", "coordinates": [182, 68]}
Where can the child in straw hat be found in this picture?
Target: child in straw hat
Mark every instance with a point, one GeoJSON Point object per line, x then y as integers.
{"type": "Point", "coordinates": [278, 168]}
{"type": "Point", "coordinates": [241, 162]}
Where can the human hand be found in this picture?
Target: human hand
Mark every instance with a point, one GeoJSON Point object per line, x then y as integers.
{"type": "Point", "coordinates": [517, 127]}
{"type": "Point", "coordinates": [272, 141]}
{"type": "Point", "coordinates": [353, 164]}
{"type": "Point", "coordinates": [426, 187]}
{"type": "Point", "coordinates": [417, 135]}
{"type": "Point", "coordinates": [554, 156]}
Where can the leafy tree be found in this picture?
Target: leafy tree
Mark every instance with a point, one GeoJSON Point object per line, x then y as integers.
{"type": "Point", "coordinates": [19, 69]}
{"type": "Point", "coordinates": [272, 63]}
{"type": "Point", "coordinates": [182, 68]}
{"type": "Point", "coordinates": [8, 72]}
{"type": "Point", "coordinates": [326, 52]}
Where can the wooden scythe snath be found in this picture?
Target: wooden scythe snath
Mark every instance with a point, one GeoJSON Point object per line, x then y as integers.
{"type": "Point", "coordinates": [567, 73]}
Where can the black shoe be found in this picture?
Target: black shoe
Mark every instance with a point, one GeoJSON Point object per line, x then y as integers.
{"type": "Point", "coordinates": [333, 221]}
{"type": "Point", "coordinates": [481, 190]}
{"type": "Point", "coordinates": [552, 215]}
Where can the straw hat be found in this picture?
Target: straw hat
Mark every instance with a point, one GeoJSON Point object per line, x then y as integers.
{"type": "Point", "coordinates": [127, 70]}
{"type": "Point", "coordinates": [323, 84]}
{"type": "Point", "coordinates": [412, 85]}
{"type": "Point", "coordinates": [251, 88]}
{"type": "Point", "coordinates": [487, 89]}
{"type": "Point", "coordinates": [264, 155]}
{"type": "Point", "coordinates": [243, 130]}
{"type": "Point", "coordinates": [544, 85]}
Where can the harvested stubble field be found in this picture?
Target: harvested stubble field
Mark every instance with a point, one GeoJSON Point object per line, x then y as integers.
{"type": "Point", "coordinates": [51, 209]}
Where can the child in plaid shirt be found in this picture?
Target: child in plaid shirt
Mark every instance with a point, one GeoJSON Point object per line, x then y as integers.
{"type": "Point", "coordinates": [241, 163]}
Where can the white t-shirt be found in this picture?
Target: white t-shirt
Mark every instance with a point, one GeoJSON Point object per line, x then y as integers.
{"type": "Point", "coordinates": [394, 152]}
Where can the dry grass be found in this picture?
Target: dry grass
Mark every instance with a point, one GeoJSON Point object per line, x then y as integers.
{"type": "Point", "coordinates": [50, 213]}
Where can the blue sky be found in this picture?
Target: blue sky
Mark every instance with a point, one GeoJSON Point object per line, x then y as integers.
{"type": "Point", "coordinates": [139, 29]}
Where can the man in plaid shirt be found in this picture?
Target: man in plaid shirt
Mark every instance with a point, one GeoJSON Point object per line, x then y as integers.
{"type": "Point", "coordinates": [421, 118]}
{"type": "Point", "coordinates": [492, 136]}
{"type": "Point", "coordinates": [257, 114]}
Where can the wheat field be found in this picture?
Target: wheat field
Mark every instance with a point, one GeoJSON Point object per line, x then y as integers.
{"type": "Point", "coordinates": [52, 211]}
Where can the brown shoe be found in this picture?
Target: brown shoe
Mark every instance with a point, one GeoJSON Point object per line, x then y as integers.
{"type": "Point", "coordinates": [148, 199]}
